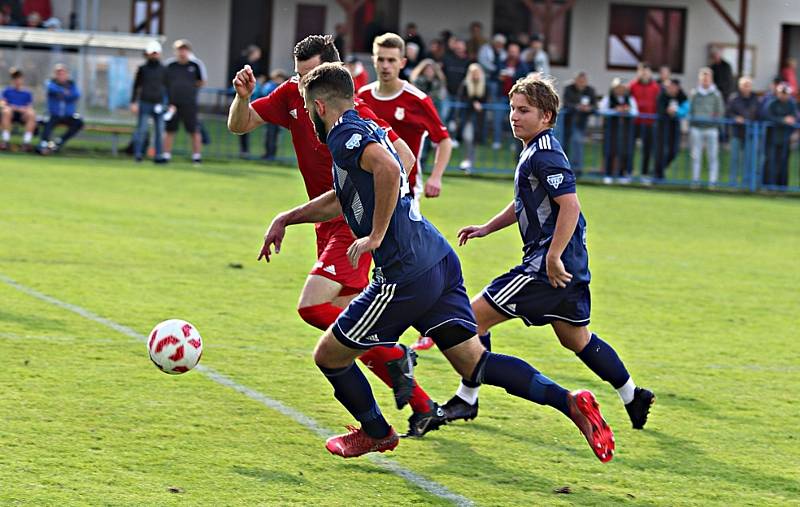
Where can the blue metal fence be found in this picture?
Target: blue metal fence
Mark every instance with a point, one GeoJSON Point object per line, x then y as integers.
{"type": "Point", "coordinates": [612, 148]}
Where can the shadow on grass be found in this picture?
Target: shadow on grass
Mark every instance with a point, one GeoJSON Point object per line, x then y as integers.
{"type": "Point", "coordinates": [271, 476]}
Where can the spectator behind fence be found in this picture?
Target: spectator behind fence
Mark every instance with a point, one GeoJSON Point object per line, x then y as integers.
{"type": "Point", "coordinates": [722, 73]}
{"type": "Point", "coordinates": [513, 69]}
{"type": "Point", "coordinates": [251, 55]}
{"type": "Point", "coordinates": [11, 13]}
{"type": "Point", "coordinates": [782, 113]}
{"type": "Point", "coordinates": [492, 57]}
{"type": "Point", "coordinates": [42, 7]}
{"type": "Point", "coordinates": [413, 37]}
{"type": "Point", "coordinates": [742, 108]}
{"type": "Point", "coordinates": [789, 74]}
{"type": "Point", "coordinates": [436, 50]}
{"type": "Point", "coordinates": [473, 93]}
{"type": "Point", "coordinates": [412, 60]}
{"type": "Point", "coordinates": [454, 66]}
{"type": "Point", "coordinates": [276, 78]}
{"type": "Point", "coordinates": [580, 101]}
{"type": "Point", "coordinates": [664, 75]}
{"type": "Point", "coordinates": [706, 107]}
{"type": "Point", "coordinates": [538, 61]}
{"type": "Point", "coordinates": [619, 107]}
{"type": "Point", "coordinates": [16, 106]}
{"type": "Point", "coordinates": [148, 101]}
{"type": "Point", "coordinates": [645, 90]}
{"type": "Point", "coordinates": [673, 105]}
{"type": "Point", "coordinates": [185, 76]}
{"type": "Point", "coordinates": [357, 71]}
{"type": "Point", "coordinates": [768, 97]}
{"type": "Point", "coordinates": [429, 78]}
{"type": "Point", "coordinates": [62, 102]}
{"type": "Point", "coordinates": [476, 40]}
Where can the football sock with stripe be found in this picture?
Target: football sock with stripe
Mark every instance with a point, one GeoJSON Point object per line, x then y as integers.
{"type": "Point", "coordinates": [323, 315]}
{"type": "Point", "coordinates": [351, 388]}
{"type": "Point", "coordinates": [603, 360]}
{"type": "Point", "coordinates": [486, 340]}
{"type": "Point", "coordinates": [520, 379]}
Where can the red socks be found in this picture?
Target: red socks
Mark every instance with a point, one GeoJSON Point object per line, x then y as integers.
{"type": "Point", "coordinates": [376, 359]}
{"type": "Point", "coordinates": [322, 316]}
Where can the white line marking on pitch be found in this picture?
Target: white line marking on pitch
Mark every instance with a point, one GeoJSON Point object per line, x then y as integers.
{"type": "Point", "coordinates": [427, 485]}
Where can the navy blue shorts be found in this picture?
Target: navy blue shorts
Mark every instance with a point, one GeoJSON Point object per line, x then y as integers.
{"type": "Point", "coordinates": [434, 303]}
{"type": "Point", "coordinates": [536, 302]}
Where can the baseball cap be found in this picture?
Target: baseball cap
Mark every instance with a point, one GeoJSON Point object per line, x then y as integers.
{"type": "Point", "coordinates": [152, 47]}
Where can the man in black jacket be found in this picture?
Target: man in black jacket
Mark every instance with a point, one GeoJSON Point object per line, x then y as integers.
{"type": "Point", "coordinates": [742, 108]}
{"type": "Point", "coordinates": [668, 128]}
{"type": "Point", "coordinates": [147, 102]}
{"type": "Point", "coordinates": [580, 101]}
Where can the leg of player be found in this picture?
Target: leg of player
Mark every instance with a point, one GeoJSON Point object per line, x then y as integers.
{"type": "Point", "coordinates": [464, 404]}
{"type": "Point", "coordinates": [473, 361]}
{"type": "Point", "coordinates": [320, 304]}
{"type": "Point", "coordinates": [604, 361]}
{"type": "Point", "coordinates": [352, 390]}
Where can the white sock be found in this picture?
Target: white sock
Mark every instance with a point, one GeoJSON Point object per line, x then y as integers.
{"type": "Point", "coordinates": [196, 156]}
{"type": "Point", "coordinates": [26, 137]}
{"type": "Point", "coordinates": [468, 394]}
{"type": "Point", "coordinates": [167, 155]}
{"type": "Point", "coordinates": [626, 392]}
{"type": "Point", "coordinates": [6, 136]}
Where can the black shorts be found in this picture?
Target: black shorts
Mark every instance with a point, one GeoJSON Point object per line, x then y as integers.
{"type": "Point", "coordinates": [536, 302]}
{"type": "Point", "coordinates": [186, 114]}
{"type": "Point", "coordinates": [16, 117]}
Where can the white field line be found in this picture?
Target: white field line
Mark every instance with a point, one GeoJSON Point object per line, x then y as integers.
{"type": "Point", "coordinates": [300, 418]}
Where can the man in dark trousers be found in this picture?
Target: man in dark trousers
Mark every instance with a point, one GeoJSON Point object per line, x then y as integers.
{"type": "Point", "coordinates": [185, 76]}
{"type": "Point", "coordinates": [62, 101]}
{"type": "Point", "coordinates": [147, 101]}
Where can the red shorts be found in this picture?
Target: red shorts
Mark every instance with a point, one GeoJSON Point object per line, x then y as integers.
{"type": "Point", "coordinates": [333, 239]}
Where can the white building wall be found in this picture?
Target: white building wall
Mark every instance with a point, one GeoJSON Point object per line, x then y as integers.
{"type": "Point", "coordinates": [284, 22]}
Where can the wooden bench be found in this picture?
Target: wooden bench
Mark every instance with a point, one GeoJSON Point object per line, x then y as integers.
{"type": "Point", "coordinates": [113, 129]}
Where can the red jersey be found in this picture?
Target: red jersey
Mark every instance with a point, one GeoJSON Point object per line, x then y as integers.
{"type": "Point", "coordinates": [411, 114]}
{"type": "Point", "coordinates": [646, 95]}
{"type": "Point", "coordinates": [285, 107]}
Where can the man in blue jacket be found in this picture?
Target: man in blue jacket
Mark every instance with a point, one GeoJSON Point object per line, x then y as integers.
{"type": "Point", "coordinates": [62, 99]}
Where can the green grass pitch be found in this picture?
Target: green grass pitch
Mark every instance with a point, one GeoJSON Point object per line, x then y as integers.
{"type": "Point", "coordinates": [698, 292]}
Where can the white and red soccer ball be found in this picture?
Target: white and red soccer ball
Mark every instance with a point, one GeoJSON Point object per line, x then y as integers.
{"type": "Point", "coordinates": [175, 346]}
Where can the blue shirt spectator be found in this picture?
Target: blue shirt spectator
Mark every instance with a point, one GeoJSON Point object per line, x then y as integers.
{"type": "Point", "coordinates": [62, 96]}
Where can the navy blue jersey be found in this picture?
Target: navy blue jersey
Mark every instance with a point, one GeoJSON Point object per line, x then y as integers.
{"type": "Point", "coordinates": [412, 245]}
{"type": "Point", "coordinates": [544, 173]}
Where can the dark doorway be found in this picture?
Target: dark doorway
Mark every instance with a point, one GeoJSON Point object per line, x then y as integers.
{"type": "Point", "coordinates": [790, 45]}
{"type": "Point", "coordinates": [310, 21]}
{"type": "Point", "coordinates": [251, 23]}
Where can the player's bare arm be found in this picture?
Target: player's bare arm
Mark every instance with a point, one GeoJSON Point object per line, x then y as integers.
{"type": "Point", "coordinates": [499, 221]}
{"type": "Point", "coordinates": [568, 214]}
{"type": "Point", "coordinates": [407, 157]}
{"type": "Point", "coordinates": [242, 118]}
{"type": "Point", "coordinates": [321, 209]}
{"type": "Point", "coordinates": [433, 187]}
{"type": "Point", "coordinates": [386, 180]}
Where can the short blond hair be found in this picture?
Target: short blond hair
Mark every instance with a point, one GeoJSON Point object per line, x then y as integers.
{"type": "Point", "coordinates": [389, 40]}
{"type": "Point", "coordinates": [540, 92]}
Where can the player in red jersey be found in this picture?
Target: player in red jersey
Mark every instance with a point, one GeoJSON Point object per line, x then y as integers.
{"type": "Point", "coordinates": [409, 111]}
{"type": "Point", "coordinates": [333, 281]}
{"type": "Point", "coordinates": [412, 115]}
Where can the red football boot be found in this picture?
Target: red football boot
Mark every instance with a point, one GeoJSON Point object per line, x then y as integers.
{"type": "Point", "coordinates": [585, 413]}
{"type": "Point", "coordinates": [357, 442]}
{"type": "Point", "coordinates": [422, 343]}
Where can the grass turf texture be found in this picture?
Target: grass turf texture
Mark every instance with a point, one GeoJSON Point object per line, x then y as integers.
{"type": "Point", "coordinates": [696, 291]}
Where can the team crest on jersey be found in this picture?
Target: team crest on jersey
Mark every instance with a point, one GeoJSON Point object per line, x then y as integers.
{"type": "Point", "coordinates": [555, 180]}
{"type": "Point", "coordinates": [400, 113]}
{"type": "Point", "coordinates": [353, 142]}
{"type": "Point", "coordinates": [293, 113]}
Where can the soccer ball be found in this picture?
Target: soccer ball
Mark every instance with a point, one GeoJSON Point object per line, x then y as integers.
{"type": "Point", "coordinates": [175, 346]}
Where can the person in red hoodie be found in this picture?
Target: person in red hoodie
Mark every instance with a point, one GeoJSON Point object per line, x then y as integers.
{"type": "Point", "coordinates": [645, 90]}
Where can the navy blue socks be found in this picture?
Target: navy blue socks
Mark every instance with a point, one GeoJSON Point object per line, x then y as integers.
{"type": "Point", "coordinates": [602, 359]}
{"type": "Point", "coordinates": [351, 388]}
{"type": "Point", "coordinates": [520, 379]}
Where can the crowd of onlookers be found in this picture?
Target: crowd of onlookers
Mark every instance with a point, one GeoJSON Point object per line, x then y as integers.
{"type": "Point", "coordinates": [30, 14]}
{"type": "Point", "coordinates": [470, 76]}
